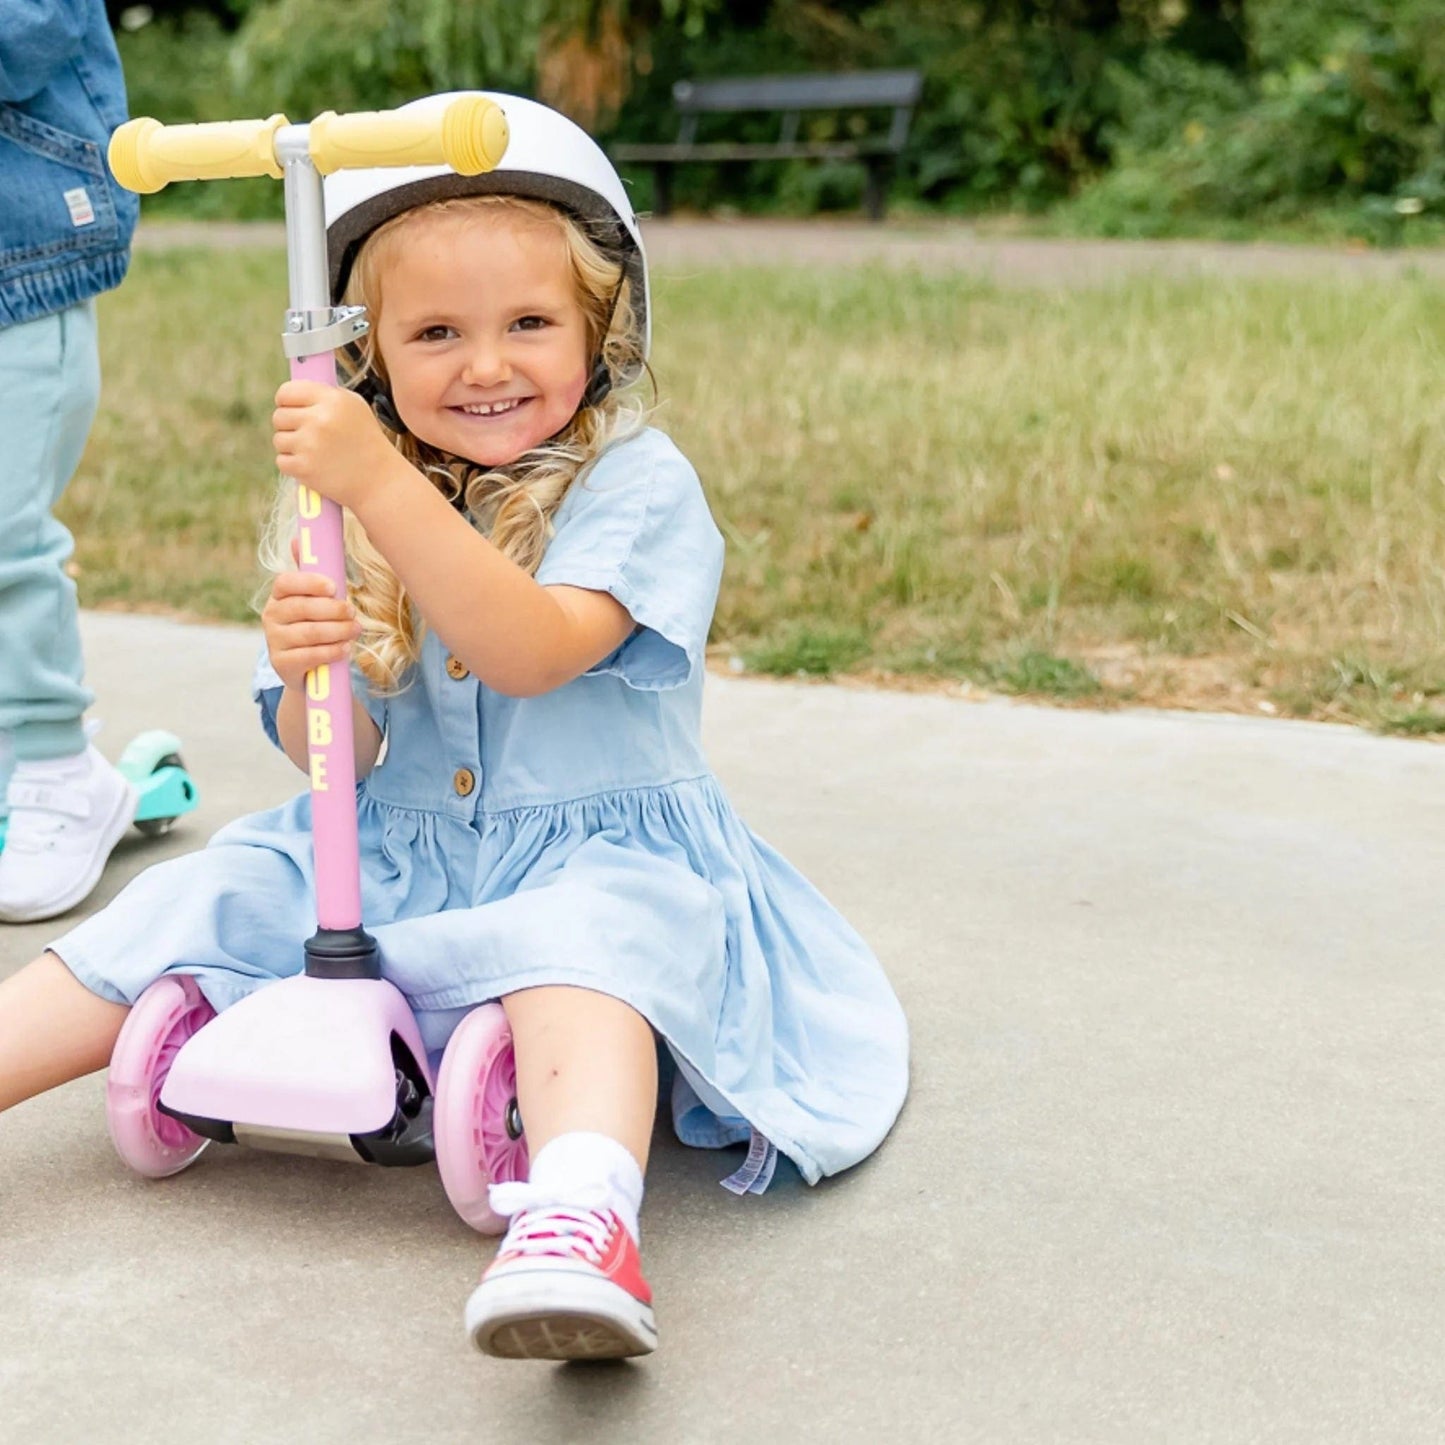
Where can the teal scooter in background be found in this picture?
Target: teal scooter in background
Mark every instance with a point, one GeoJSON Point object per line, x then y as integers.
{"type": "Point", "coordinates": [152, 765]}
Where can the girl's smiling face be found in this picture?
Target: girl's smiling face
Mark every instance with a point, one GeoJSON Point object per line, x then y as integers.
{"type": "Point", "coordinates": [481, 333]}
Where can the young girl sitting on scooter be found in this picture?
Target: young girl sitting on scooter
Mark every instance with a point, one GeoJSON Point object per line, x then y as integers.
{"type": "Point", "coordinates": [533, 574]}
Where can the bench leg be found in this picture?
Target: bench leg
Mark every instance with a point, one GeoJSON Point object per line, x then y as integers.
{"type": "Point", "coordinates": [875, 189]}
{"type": "Point", "coordinates": [662, 188]}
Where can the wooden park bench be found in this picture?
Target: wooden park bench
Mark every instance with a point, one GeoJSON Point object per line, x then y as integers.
{"type": "Point", "coordinates": [787, 96]}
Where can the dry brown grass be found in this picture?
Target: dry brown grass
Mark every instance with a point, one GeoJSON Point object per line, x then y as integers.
{"type": "Point", "coordinates": [1186, 493]}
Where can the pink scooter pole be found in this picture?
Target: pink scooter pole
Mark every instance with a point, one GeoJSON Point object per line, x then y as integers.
{"type": "Point", "coordinates": [340, 948]}
{"type": "Point", "coordinates": [329, 730]}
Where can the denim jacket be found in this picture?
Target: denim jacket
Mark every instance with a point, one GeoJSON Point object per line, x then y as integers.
{"type": "Point", "coordinates": [65, 226]}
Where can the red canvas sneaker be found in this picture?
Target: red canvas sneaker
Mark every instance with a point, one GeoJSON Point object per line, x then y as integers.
{"type": "Point", "coordinates": [566, 1285]}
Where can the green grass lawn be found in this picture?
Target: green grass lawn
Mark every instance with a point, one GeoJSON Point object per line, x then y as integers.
{"type": "Point", "coordinates": [1185, 493]}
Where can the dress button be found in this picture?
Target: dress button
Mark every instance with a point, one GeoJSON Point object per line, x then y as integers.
{"type": "Point", "coordinates": [464, 780]}
{"type": "Point", "coordinates": [456, 668]}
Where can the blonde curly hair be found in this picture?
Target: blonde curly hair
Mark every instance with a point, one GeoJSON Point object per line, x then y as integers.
{"type": "Point", "coordinates": [512, 505]}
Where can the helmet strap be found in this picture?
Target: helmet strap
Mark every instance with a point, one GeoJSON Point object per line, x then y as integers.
{"type": "Point", "coordinates": [385, 410]}
{"type": "Point", "coordinates": [598, 385]}
{"type": "Point", "coordinates": [372, 391]}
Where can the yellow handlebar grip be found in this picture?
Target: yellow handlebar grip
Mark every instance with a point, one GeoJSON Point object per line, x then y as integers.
{"type": "Point", "coordinates": [470, 136]}
{"type": "Point", "coordinates": [146, 155]}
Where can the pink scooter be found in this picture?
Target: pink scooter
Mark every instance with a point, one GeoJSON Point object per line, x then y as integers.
{"type": "Point", "coordinates": [329, 1062]}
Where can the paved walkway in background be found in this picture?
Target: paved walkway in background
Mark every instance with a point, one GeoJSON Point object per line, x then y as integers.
{"type": "Point", "coordinates": [935, 246]}
{"type": "Point", "coordinates": [1171, 1167]}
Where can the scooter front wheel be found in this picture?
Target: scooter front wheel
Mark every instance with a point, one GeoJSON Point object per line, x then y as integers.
{"type": "Point", "coordinates": [475, 1125]}
{"type": "Point", "coordinates": [168, 1013]}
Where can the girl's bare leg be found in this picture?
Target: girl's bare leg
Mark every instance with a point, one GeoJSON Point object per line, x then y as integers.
{"type": "Point", "coordinates": [587, 1088]}
{"type": "Point", "coordinates": [52, 1029]}
{"type": "Point", "coordinates": [585, 1061]}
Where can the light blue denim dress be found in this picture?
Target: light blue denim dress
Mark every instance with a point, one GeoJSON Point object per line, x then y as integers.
{"type": "Point", "coordinates": [593, 847]}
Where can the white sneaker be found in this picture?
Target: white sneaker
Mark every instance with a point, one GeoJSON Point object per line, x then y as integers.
{"type": "Point", "coordinates": [66, 814]}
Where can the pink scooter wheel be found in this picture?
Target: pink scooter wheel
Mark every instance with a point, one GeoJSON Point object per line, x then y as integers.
{"type": "Point", "coordinates": [164, 1017]}
{"type": "Point", "coordinates": [475, 1124]}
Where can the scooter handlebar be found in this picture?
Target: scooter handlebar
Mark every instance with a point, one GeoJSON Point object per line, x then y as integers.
{"type": "Point", "coordinates": [470, 135]}
{"type": "Point", "coordinates": [146, 155]}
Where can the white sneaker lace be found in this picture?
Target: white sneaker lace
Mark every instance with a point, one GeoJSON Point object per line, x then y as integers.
{"type": "Point", "coordinates": [542, 1224]}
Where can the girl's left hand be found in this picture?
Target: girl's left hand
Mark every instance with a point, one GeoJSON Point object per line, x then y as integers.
{"type": "Point", "coordinates": [327, 439]}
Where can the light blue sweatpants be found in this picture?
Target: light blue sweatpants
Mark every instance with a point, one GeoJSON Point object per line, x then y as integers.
{"type": "Point", "coordinates": [49, 390]}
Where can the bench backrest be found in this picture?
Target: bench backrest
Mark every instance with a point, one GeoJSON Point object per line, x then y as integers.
{"type": "Point", "coordinates": [855, 90]}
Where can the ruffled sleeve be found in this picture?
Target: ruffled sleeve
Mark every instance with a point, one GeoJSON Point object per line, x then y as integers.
{"type": "Point", "coordinates": [266, 690]}
{"type": "Point", "coordinates": [637, 526]}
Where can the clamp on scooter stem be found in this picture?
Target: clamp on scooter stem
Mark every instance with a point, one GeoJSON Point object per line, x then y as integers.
{"type": "Point", "coordinates": [470, 135]}
{"type": "Point", "coordinates": [308, 332]}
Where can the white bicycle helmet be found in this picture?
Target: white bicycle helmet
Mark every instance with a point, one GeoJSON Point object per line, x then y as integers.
{"type": "Point", "coordinates": [548, 158]}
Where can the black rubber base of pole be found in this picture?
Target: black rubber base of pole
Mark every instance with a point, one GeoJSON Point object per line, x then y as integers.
{"type": "Point", "coordinates": [342, 953]}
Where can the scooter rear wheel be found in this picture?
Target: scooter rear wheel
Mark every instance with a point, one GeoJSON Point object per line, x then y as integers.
{"type": "Point", "coordinates": [168, 1013]}
{"type": "Point", "coordinates": [158, 827]}
{"type": "Point", "coordinates": [476, 1127]}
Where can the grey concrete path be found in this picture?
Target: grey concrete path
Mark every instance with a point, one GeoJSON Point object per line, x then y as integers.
{"type": "Point", "coordinates": [1171, 1169]}
{"type": "Point", "coordinates": [680, 245]}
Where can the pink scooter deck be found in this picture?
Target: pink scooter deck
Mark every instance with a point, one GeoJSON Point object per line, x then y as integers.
{"type": "Point", "coordinates": [304, 1054]}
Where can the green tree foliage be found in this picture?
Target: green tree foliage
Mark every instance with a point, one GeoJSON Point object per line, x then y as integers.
{"type": "Point", "coordinates": [1135, 116]}
{"type": "Point", "coordinates": [1339, 108]}
{"type": "Point", "coordinates": [306, 56]}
